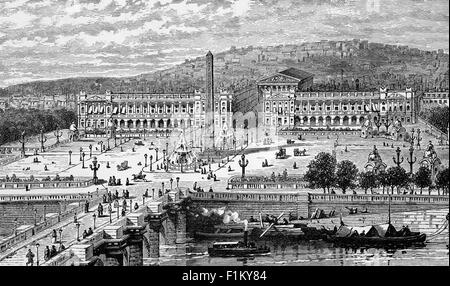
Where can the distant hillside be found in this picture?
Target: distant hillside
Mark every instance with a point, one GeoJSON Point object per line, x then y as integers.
{"type": "Point", "coordinates": [336, 65]}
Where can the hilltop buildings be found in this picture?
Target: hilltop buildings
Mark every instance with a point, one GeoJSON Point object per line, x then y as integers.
{"type": "Point", "coordinates": [435, 98]}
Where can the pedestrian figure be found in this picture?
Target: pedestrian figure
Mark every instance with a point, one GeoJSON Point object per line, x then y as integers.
{"type": "Point", "coordinates": [127, 183]}
{"type": "Point", "coordinates": [127, 193]}
{"type": "Point", "coordinates": [117, 195]}
{"type": "Point", "coordinates": [146, 193]}
{"type": "Point", "coordinates": [47, 253]}
{"type": "Point", "coordinates": [75, 219]}
{"type": "Point", "coordinates": [85, 234]}
{"type": "Point", "coordinates": [136, 206]}
{"type": "Point", "coordinates": [100, 209]}
{"type": "Point", "coordinates": [86, 207]}
{"type": "Point", "coordinates": [123, 212]}
{"type": "Point", "coordinates": [54, 236]}
{"type": "Point", "coordinates": [53, 251]}
{"type": "Point", "coordinates": [124, 204]}
{"type": "Point", "coordinates": [89, 232]}
{"type": "Point", "coordinates": [210, 189]}
{"type": "Point", "coordinates": [30, 257]}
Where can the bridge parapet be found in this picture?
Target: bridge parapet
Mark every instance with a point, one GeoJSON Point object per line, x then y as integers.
{"type": "Point", "coordinates": [267, 182]}
{"type": "Point", "coordinates": [417, 199]}
{"type": "Point", "coordinates": [264, 197]}
{"type": "Point", "coordinates": [46, 184]}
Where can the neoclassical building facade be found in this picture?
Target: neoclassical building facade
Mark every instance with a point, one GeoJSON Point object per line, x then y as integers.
{"type": "Point", "coordinates": [286, 106]}
{"type": "Point", "coordinates": [134, 112]}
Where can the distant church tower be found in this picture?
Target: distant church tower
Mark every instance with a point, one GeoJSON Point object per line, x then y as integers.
{"type": "Point", "coordinates": [209, 104]}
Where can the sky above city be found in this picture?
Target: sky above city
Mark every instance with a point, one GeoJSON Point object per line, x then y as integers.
{"type": "Point", "coordinates": [52, 39]}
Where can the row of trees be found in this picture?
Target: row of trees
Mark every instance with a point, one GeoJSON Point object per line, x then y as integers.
{"type": "Point", "coordinates": [13, 121]}
{"type": "Point", "coordinates": [438, 116]}
{"type": "Point", "coordinates": [324, 172]}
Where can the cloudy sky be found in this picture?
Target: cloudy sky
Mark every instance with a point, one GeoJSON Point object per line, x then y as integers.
{"type": "Point", "coordinates": [49, 39]}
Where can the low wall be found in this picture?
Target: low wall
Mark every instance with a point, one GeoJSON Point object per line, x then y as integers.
{"type": "Point", "coordinates": [375, 203]}
{"type": "Point", "coordinates": [251, 204]}
{"type": "Point", "coordinates": [259, 182]}
{"type": "Point", "coordinates": [47, 184]}
{"type": "Point", "coordinates": [304, 204]}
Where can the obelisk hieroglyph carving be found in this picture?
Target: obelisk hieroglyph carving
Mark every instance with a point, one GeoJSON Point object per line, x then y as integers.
{"type": "Point", "coordinates": [209, 102]}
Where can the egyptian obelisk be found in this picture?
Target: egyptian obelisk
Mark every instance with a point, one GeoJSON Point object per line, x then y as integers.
{"type": "Point", "coordinates": [209, 104]}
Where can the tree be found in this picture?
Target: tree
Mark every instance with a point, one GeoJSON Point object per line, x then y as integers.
{"type": "Point", "coordinates": [442, 180]}
{"type": "Point", "coordinates": [321, 171]}
{"type": "Point", "coordinates": [422, 178]}
{"type": "Point", "coordinates": [397, 177]}
{"type": "Point", "coordinates": [346, 175]}
{"type": "Point", "coordinates": [368, 180]}
{"type": "Point", "coordinates": [437, 116]}
{"type": "Point", "coordinates": [382, 178]}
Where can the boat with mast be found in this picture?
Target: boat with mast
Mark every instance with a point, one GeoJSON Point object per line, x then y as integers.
{"type": "Point", "coordinates": [381, 235]}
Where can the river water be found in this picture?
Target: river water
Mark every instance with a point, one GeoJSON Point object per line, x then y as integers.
{"type": "Point", "coordinates": [321, 253]}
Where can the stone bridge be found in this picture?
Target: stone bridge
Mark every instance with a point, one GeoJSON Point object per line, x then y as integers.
{"type": "Point", "coordinates": [132, 240]}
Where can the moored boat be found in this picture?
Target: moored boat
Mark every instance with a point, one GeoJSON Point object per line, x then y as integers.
{"type": "Point", "coordinates": [383, 235]}
{"type": "Point", "coordinates": [236, 249]}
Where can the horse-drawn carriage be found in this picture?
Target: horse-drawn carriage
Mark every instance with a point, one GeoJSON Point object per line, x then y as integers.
{"type": "Point", "coordinates": [290, 141]}
{"type": "Point", "coordinates": [139, 177]}
{"type": "Point", "coordinates": [139, 143]}
{"type": "Point", "coordinates": [123, 166]}
{"type": "Point", "coordinates": [281, 154]}
{"type": "Point", "coordinates": [298, 152]}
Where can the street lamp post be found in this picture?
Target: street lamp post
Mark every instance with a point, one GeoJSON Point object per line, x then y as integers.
{"type": "Point", "coordinates": [94, 216]}
{"type": "Point", "coordinates": [82, 156]}
{"type": "Point", "coordinates": [78, 230]}
{"type": "Point", "coordinates": [145, 160]}
{"type": "Point", "coordinates": [171, 181]}
{"type": "Point", "coordinates": [151, 158]}
{"type": "Point", "coordinates": [35, 216]}
{"type": "Point", "coordinates": [70, 157]}
{"type": "Point", "coordinates": [398, 161]}
{"type": "Point", "coordinates": [243, 163]}
{"type": "Point", "coordinates": [37, 254]}
{"type": "Point", "coordinates": [81, 153]}
{"type": "Point", "coordinates": [156, 150]}
{"type": "Point", "coordinates": [410, 160]}
{"type": "Point", "coordinates": [117, 206]}
{"type": "Point", "coordinates": [110, 212]}
{"type": "Point", "coordinates": [101, 146]}
{"type": "Point", "coordinates": [60, 237]}
{"type": "Point", "coordinates": [178, 181]}
{"type": "Point", "coordinates": [58, 133]}
{"type": "Point", "coordinates": [90, 150]}
{"type": "Point", "coordinates": [94, 167]}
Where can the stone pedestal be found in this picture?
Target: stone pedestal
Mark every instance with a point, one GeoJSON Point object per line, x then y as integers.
{"type": "Point", "coordinates": [135, 252]}
{"type": "Point", "coordinates": [181, 227]}
{"type": "Point", "coordinates": [152, 240]}
{"type": "Point", "coordinates": [170, 231]}
{"type": "Point", "coordinates": [113, 260]}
